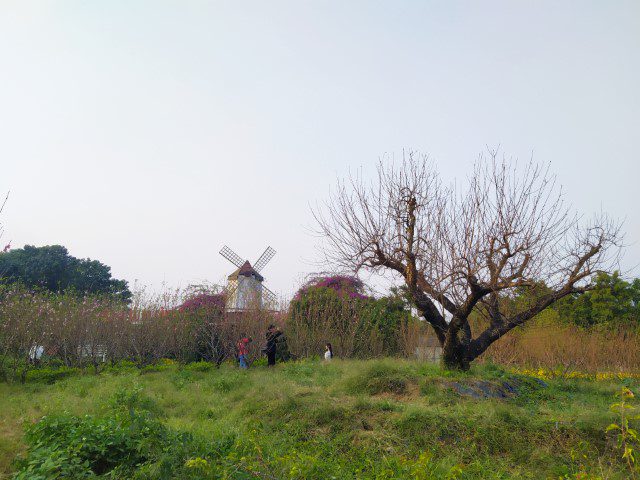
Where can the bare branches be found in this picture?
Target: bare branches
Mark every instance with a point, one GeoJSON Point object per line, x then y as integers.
{"type": "Point", "coordinates": [2, 205]}
{"type": "Point", "coordinates": [508, 229]}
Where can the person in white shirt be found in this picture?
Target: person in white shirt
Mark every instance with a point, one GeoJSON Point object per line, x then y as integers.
{"type": "Point", "coordinates": [328, 354]}
{"type": "Point", "coordinates": [35, 353]}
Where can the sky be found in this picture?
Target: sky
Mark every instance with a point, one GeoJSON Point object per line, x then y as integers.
{"type": "Point", "coordinates": [148, 134]}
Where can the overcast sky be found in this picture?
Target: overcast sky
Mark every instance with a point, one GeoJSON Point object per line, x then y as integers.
{"type": "Point", "coordinates": [148, 134]}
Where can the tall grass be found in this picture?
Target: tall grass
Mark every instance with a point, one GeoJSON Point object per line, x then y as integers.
{"type": "Point", "coordinates": [553, 345]}
{"type": "Point", "coordinates": [346, 419]}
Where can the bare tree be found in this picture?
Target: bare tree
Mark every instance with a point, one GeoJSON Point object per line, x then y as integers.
{"type": "Point", "coordinates": [460, 251]}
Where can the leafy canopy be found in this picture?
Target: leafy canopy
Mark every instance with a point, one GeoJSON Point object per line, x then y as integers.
{"type": "Point", "coordinates": [52, 268]}
{"type": "Point", "coordinates": [611, 301]}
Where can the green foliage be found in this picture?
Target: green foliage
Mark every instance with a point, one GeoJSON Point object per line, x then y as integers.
{"type": "Point", "coordinates": [50, 374]}
{"type": "Point", "coordinates": [52, 268]}
{"type": "Point", "coordinates": [200, 366]}
{"type": "Point", "coordinates": [612, 301]}
{"type": "Point", "coordinates": [128, 443]}
{"type": "Point", "coordinates": [52, 464]}
{"type": "Point", "coordinates": [120, 367]}
{"type": "Point", "coordinates": [386, 316]}
{"type": "Point", "coordinates": [627, 437]}
{"type": "Point", "coordinates": [132, 400]}
{"type": "Point", "coordinates": [346, 419]}
{"type": "Point", "coordinates": [98, 444]}
{"type": "Point", "coordinates": [356, 325]}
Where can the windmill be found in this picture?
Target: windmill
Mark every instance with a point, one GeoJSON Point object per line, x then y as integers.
{"type": "Point", "coordinates": [244, 288]}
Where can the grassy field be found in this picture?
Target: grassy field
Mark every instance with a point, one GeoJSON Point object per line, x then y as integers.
{"type": "Point", "coordinates": [347, 419]}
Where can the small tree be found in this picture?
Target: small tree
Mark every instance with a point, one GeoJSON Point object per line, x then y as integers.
{"type": "Point", "coordinates": [204, 313]}
{"type": "Point", "coordinates": [462, 251]}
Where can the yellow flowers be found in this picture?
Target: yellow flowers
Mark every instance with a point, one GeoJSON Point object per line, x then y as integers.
{"type": "Point", "coordinates": [547, 374]}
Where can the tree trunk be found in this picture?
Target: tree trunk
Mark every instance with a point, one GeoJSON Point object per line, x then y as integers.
{"type": "Point", "coordinates": [454, 351]}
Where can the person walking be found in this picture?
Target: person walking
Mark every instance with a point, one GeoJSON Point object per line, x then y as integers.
{"type": "Point", "coordinates": [243, 351]}
{"type": "Point", "coordinates": [270, 349]}
{"type": "Point", "coordinates": [328, 354]}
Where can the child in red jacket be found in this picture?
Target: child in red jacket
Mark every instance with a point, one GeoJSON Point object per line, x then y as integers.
{"type": "Point", "coordinates": [243, 351]}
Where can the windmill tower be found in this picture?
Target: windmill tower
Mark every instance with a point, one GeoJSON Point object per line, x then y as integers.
{"type": "Point", "coordinates": [245, 290]}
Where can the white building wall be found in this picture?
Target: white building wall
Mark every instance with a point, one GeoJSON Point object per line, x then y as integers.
{"type": "Point", "coordinates": [247, 294]}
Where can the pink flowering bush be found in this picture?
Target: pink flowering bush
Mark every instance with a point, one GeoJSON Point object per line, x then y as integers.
{"type": "Point", "coordinates": [204, 301]}
{"type": "Point", "coordinates": [335, 309]}
{"type": "Point", "coordinates": [343, 285]}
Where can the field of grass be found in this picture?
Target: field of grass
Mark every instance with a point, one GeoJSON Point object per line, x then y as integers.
{"type": "Point", "coordinates": [382, 419]}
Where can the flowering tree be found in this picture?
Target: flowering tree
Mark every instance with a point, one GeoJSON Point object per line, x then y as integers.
{"type": "Point", "coordinates": [344, 285]}
{"type": "Point", "coordinates": [213, 303]}
{"type": "Point", "coordinates": [205, 312]}
{"type": "Point", "coordinates": [335, 309]}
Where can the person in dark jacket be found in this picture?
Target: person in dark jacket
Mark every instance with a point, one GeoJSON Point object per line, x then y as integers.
{"type": "Point", "coordinates": [270, 349]}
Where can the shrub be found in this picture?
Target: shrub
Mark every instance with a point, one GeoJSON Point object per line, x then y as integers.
{"type": "Point", "coordinates": [49, 463]}
{"type": "Point", "coordinates": [334, 310]}
{"type": "Point", "coordinates": [50, 375]}
{"type": "Point", "coordinates": [120, 367]}
{"type": "Point", "coordinates": [132, 400]}
{"type": "Point", "coordinates": [128, 443]}
{"type": "Point", "coordinates": [99, 445]}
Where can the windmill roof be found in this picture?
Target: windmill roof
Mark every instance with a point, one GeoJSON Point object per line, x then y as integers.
{"type": "Point", "coordinates": [246, 270]}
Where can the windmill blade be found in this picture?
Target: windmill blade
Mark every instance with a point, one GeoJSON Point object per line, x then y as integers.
{"type": "Point", "coordinates": [232, 256]}
{"type": "Point", "coordinates": [228, 294]}
{"type": "Point", "coordinates": [265, 258]}
{"type": "Point", "coordinates": [228, 291]}
{"type": "Point", "coordinates": [269, 299]}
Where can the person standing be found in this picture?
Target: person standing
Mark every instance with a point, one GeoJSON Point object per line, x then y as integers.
{"type": "Point", "coordinates": [270, 349]}
{"type": "Point", "coordinates": [243, 351]}
{"type": "Point", "coordinates": [328, 354]}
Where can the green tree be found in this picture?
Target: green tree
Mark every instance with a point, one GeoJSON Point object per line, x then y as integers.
{"type": "Point", "coordinates": [611, 301]}
{"type": "Point", "coordinates": [52, 268]}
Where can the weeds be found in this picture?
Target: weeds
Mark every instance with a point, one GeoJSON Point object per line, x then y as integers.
{"type": "Point", "coordinates": [344, 420]}
{"type": "Point", "coordinates": [627, 437]}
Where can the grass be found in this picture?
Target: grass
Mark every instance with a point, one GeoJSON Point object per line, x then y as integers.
{"type": "Point", "coordinates": [351, 419]}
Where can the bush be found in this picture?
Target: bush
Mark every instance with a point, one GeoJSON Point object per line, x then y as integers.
{"type": "Point", "coordinates": [128, 443]}
{"type": "Point", "coordinates": [97, 445]}
{"type": "Point", "coordinates": [130, 401]}
{"type": "Point", "coordinates": [50, 375]}
{"type": "Point", "coordinates": [49, 463]}
{"type": "Point", "coordinates": [356, 325]}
